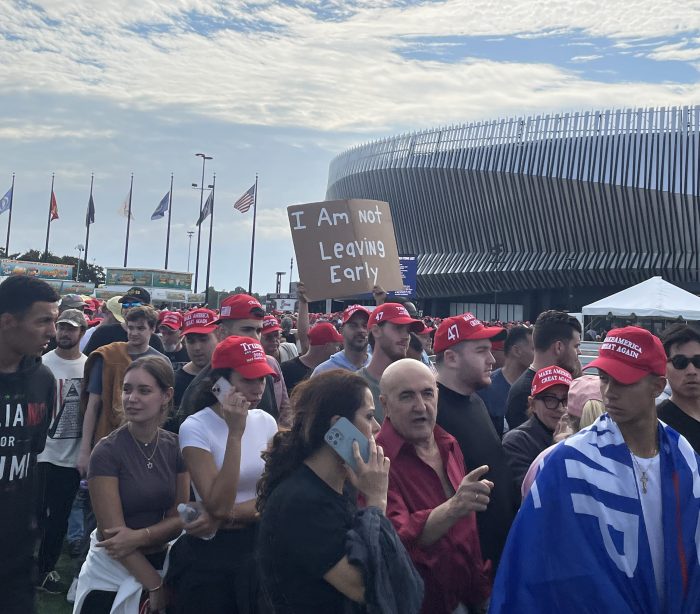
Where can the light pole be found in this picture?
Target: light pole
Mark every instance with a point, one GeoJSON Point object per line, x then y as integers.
{"type": "Point", "coordinates": [80, 247]}
{"type": "Point", "coordinates": [569, 267]}
{"type": "Point", "coordinates": [199, 227]}
{"type": "Point", "coordinates": [291, 266]}
{"type": "Point", "coordinates": [189, 248]}
{"type": "Point", "coordinates": [496, 251]}
{"type": "Point", "coordinates": [278, 287]}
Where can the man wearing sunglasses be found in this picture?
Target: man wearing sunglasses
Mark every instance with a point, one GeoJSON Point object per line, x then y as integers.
{"type": "Point", "coordinates": [109, 333]}
{"type": "Point", "coordinates": [682, 411]}
{"type": "Point", "coordinates": [547, 403]}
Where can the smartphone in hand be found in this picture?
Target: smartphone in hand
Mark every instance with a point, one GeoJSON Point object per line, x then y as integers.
{"type": "Point", "coordinates": [221, 388]}
{"type": "Point", "coordinates": [340, 437]}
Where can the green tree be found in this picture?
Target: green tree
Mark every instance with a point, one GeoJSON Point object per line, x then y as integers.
{"type": "Point", "coordinates": [90, 273]}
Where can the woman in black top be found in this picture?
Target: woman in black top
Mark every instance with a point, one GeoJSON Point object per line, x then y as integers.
{"type": "Point", "coordinates": [305, 514]}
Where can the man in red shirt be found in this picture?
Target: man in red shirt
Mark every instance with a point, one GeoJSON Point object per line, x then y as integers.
{"type": "Point", "coordinates": [430, 501]}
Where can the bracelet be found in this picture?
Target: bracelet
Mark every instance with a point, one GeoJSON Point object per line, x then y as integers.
{"type": "Point", "coordinates": [157, 588]}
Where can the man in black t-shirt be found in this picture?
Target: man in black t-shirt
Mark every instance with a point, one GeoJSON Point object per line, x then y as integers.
{"type": "Point", "coordinates": [28, 312]}
{"type": "Point", "coordinates": [557, 340]}
{"type": "Point", "coordinates": [682, 411]}
{"type": "Point", "coordinates": [170, 329]}
{"type": "Point", "coordinates": [323, 342]}
{"type": "Point", "coordinates": [110, 333]}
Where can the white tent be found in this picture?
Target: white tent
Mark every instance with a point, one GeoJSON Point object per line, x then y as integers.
{"type": "Point", "coordinates": [653, 298]}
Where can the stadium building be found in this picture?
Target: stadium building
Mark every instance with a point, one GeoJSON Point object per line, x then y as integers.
{"type": "Point", "coordinates": [511, 216]}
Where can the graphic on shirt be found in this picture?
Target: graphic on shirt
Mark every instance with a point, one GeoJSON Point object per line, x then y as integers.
{"type": "Point", "coordinates": [16, 421]}
{"type": "Point", "coordinates": [67, 422]}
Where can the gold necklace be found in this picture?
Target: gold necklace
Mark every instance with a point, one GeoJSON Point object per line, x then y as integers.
{"type": "Point", "coordinates": [149, 459]}
{"type": "Point", "coordinates": [643, 476]}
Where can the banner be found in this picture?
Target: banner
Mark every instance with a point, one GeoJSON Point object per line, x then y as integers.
{"type": "Point", "coordinates": [409, 273]}
{"type": "Point", "coordinates": [344, 247]}
{"type": "Point", "coordinates": [42, 270]}
{"type": "Point", "coordinates": [149, 278]}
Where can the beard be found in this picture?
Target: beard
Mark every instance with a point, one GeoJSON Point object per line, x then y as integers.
{"type": "Point", "coordinates": [66, 344]}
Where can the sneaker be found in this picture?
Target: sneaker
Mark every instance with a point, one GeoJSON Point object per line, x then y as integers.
{"type": "Point", "coordinates": [70, 597]}
{"type": "Point", "coordinates": [51, 583]}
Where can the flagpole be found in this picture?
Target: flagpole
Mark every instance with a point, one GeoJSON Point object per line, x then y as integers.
{"type": "Point", "coordinates": [9, 220]}
{"type": "Point", "coordinates": [170, 212]}
{"type": "Point", "coordinates": [211, 230]}
{"type": "Point", "coordinates": [204, 157]}
{"type": "Point", "coordinates": [48, 223]}
{"type": "Point", "coordinates": [128, 221]}
{"type": "Point", "coordinates": [87, 221]}
{"type": "Point", "coordinates": [252, 242]}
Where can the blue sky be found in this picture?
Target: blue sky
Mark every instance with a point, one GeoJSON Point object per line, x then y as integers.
{"type": "Point", "coordinates": [278, 89]}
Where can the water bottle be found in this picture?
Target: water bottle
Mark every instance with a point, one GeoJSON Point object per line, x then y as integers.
{"type": "Point", "coordinates": [189, 512]}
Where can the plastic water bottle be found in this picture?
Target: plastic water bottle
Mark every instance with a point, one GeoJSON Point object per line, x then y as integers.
{"type": "Point", "coordinates": [189, 513]}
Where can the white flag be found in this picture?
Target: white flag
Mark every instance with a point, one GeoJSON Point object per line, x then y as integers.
{"type": "Point", "coordinates": [124, 209]}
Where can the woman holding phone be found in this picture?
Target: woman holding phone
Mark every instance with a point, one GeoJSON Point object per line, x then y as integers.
{"type": "Point", "coordinates": [305, 513]}
{"type": "Point", "coordinates": [222, 444]}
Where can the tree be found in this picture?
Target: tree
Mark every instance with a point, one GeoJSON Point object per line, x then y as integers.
{"type": "Point", "coordinates": [90, 273]}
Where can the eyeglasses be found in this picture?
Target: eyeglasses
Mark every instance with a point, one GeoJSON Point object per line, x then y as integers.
{"type": "Point", "coordinates": [552, 402]}
{"type": "Point", "coordinates": [680, 362]}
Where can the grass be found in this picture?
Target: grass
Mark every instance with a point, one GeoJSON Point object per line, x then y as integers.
{"type": "Point", "coordinates": [57, 604]}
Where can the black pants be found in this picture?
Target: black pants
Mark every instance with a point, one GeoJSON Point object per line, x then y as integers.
{"type": "Point", "coordinates": [58, 487]}
{"type": "Point", "coordinates": [218, 576]}
{"type": "Point", "coordinates": [18, 587]}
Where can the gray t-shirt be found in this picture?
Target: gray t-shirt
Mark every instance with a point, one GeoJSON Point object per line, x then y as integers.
{"type": "Point", "coordinates": [374, 387]}
{"type": "Point", "coordinates": [146, 494]}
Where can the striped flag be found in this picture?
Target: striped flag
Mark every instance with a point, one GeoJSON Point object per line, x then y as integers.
{"type": "Point", "coordinates": [246, 201]}
{"type": "Point", "coordinates": [54, 207]}
{"type": "Point", "coordinates": [206, 210]}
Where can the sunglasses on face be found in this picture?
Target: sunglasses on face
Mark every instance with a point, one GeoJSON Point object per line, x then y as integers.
{"type": "Point", "coordinates": [552, 402]}
{"type": "Point", "coordinates": [680, 362]}
{"type": "Point", "coordinates": [130, 305]}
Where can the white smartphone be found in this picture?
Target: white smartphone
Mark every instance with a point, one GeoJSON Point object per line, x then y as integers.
{"type": "Point", "coordinates": [221, 388]}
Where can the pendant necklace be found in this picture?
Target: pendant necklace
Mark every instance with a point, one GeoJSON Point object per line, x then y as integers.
{"type": "Point", "coordinates": [149, 459]}
{"type": "Point", "coordinates": [643, 473]}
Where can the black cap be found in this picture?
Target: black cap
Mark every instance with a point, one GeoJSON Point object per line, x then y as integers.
{"type": "Point", "coordinates": [136, 294]}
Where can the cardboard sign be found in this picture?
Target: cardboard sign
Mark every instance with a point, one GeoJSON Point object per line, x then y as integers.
{"type": "Point", "coordinates": [345, 247]}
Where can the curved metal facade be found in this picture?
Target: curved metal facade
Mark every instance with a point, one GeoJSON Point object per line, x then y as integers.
{"type": "Point", "coordinates": [594, 199]}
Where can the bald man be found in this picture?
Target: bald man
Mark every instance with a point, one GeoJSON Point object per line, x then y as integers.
{"type": "Point", "coordinates": [430, 500]}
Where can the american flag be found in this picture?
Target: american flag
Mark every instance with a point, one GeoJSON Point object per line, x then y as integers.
{"type": "Point", "coordinates": [246, 201]}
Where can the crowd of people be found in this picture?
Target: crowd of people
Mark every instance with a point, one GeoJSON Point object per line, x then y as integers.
{"type": "Point", "coordinates": [187, 458]}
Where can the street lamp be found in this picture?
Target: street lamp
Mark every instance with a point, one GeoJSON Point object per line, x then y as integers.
{"type": "Point", "coordinates": [199, 227]}
{"type": "Point", "coordinates": [80, 247]}
{"type": "Point", "coordinates": [189, 248]}
{"type": "Point", "coordinates": [278, 287]}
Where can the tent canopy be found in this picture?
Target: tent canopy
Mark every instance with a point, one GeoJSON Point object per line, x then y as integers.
{"type": "Point", "coordinates": [653, 298]}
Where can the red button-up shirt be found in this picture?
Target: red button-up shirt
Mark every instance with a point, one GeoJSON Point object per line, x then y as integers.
{"type": "Point", "coordinates": [452, 568]}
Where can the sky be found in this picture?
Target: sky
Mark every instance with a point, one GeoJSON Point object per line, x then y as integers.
{"type": "Point", "coordinates": [279, 89]}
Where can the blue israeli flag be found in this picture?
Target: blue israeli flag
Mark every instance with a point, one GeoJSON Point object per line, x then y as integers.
{"type": "Point", "coordinates": [161, 208]}
{"type": "Point", "coordinates": [6, 201]}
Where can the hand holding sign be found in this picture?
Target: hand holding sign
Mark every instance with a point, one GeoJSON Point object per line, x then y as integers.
{"type": "Point", "coordinates": [345, 247]}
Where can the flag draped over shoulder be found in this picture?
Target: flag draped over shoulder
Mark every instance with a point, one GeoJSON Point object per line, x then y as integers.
{"type": "Point", "coordinates": [54, 207]}
{"type": "Point", "coordinates": [206, 210]}
{"type": "Point", "coordinates": [246, 201]}
{"type": "Point", "coordinates": [6, 201]}
{"type": "Point", "coordinates": [90, 215]}
{"type": "Point", "coordinates": [579, 542]}
{"type": "Point", "coordinates": [161, 208]}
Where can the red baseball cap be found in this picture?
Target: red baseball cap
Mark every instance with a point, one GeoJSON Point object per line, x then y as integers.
{"type": "Point", "coordinates": [628, 354]}
{"type": "Point", "coordinates": [324, 332]}
{"type": "Point", "coordinates": [395, 313]}
{"type": "Point", "coordinates": [242, 354]}
{"type": "Point", "coordinates": [352, 310]}
{"type": "Point", "coordinates": [548, 377]}
{"type": "Point", "coordinates": [199, 321]}
{"type": "Point", "coordinates": [498, 345]}
{"type": "Point", "coordinates": [171, 319]}
{"type": "Point", "coordinates": [270, 324]}
{"type": "Point", "coordinates": [466, 327]}
{"type": "Point", "coordinates": [240, 307]}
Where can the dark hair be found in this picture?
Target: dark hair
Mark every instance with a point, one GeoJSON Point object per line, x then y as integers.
{"type": "Point", "coordinates": [678, 334]}
{"type": "Point", "coordinates": [202, 396]}
{"type": "Point", "coordinates": [314, 402]}
{"type": "Point", "coordinates": [415, 343]}
{"type": "Point", "coordinates": [159, 369]}
{"type": "Point", "coordinates": [19, 292]}
{"type": "Point", "coordinates": [552, 326]}
{"type": "Point", "coordinates": [370, 337]}
{"type": "Point", "coordinates": [142, 312]}
{"type": "Point", "coordinates": [515, 335]}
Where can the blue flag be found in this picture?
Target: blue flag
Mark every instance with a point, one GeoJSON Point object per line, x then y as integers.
{"type": "Point", "coordinates": [579, 542]}
{"type": "Point", "coordinates": [161, 208]}
{"type": "Point", "coordinates": [6, 201]}
{"type": "Point", "coordinates": [208, 206]}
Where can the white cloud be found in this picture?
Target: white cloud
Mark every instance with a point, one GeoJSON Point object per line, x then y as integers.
{"type": "Point", "coordinates": [585, 58]}
{"type": "Point", "coordinates": [686, 51]}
